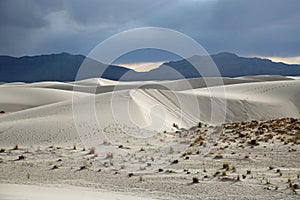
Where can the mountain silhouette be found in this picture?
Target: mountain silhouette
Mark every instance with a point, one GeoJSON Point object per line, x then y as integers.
{"type": "Point", "coordinates": [64, 67]}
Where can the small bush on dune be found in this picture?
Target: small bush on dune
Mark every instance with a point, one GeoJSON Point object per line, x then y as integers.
{"type": "Point", "coordinates": [175, 125]}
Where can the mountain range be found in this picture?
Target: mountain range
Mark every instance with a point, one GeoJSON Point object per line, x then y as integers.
{"type": "Point", "coordinates": [64, 67]}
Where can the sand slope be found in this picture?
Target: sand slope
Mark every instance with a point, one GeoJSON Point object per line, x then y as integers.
{"type": "Point", "coordinates": [50, 117]}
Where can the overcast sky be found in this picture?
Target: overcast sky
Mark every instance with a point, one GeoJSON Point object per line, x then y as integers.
{"type": "Point", "coordinates": [267, 28]}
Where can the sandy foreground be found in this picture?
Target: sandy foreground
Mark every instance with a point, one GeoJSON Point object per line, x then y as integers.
{"type": "Point", "coordinates": [34, 192]}
{"type": "Point", "coordinates": [254, 154]}
{"type": "Point", "coordinates": [245, 162]}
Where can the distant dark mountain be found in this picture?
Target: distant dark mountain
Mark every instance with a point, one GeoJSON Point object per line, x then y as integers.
{"type": "Point", "coordinates": [228, 64]}
{"type": "Point", "coordinates": [54, 67]}
{"type": "Point", "coordinates": [64, 67]}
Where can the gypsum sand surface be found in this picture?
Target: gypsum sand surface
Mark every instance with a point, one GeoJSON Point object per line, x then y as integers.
{"type": "Point", "coordinates": [249, 160]}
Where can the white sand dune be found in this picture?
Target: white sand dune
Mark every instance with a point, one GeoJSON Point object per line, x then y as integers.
{"type": "Point", "coordinates": [42, 114]}
{"type": "Point", "coordinates": [58, 192]}
{"type": "Point", "coordinates": [131, 126]}
{"type": "Point", "coordinates": [20, 98]}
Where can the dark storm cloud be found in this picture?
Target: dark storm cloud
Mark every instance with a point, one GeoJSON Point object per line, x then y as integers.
{"type": "Point", "coordinates": [247, 27]}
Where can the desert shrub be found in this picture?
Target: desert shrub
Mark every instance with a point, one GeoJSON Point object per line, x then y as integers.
{"type": "Point", "coordinates": [16, 147]}
{"type": "Point", "coordinates": [175, 125]}
{"type": "Point", "coordinates": [226, 166]}
{"type": "Point", "coordinates": [195, 180]}
{"type": "Point", "coordinates": [199, 140]}
{"type": "Point", "coordinates": [219, 156]}
{"type": "Point", "coordinates": [92, 150]}
{"type": "Point", "coordinates": [55, 167]}
{"type": "Point", "coordinates": [175, 162]}
{"type": "Point", "coordinates": [141, 179]}
{"type": "Point", "coordinates": [122, 166]}
{"type": "Point", "coordinates": [142, 149]}
{"type": "Point", "coordinates": [233, 168]}
{"type": "Point", "coordinates": [109, 155]}
{"type": "Point", "coordinates": [199, 125]}
{"type": "Point", "coordinates": [21, 157]}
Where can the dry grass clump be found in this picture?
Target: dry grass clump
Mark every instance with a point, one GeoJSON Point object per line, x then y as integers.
{"type": "Point", "coordinates": [253, 142]}
{"type": "Point", "coordinates": [188, 152]}
{"type": "Point", "coordinates": [233, 168]}
{"type": "Point", "coordinates": [224, 173]}
{"type": "Point", "coordinates": [92, 150]}
{"type": "Point", "coordinates": [141, 179]}
{"type": "Point", "coordinates": [219, 156]}
{"type": "Point", "coordinates": [152, 158]}
{"type": "Point", "coordinates": [142, 149]}
{"type": "Point", "coordinates": [195, 180]}
{"type": "Point", "coordinates": [54, 167]}
{"type": "Point", "coordinates": [226, 166]}
{"type": "Point", "coordinates": [175, 125]}
{"type": "Point", "coordinates": [216, 173]}
{"type": "Point", "coordinates": [21, 157]}
{"type": "Point", "coordinates": [199, 140]}
{"type": "Point", "coordinates": [174, 162]}
{"type": "Point", "coordinates": [289, 182]}
{"type": "Point", "coordinates": [16, 147]}
{"type": "Point", "coordinates": [109, 155]}
{"type": "Point", "coordinates": [105, 142]}
{"type": "Point", "coordinates": [294, 139]}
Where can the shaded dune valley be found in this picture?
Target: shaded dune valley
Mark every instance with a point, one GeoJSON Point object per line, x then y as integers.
{"type": "Point", "coordinates": [167, 139]}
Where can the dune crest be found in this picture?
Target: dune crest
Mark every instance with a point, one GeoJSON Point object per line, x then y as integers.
{"type": "Point", "coordinates": [41, 113]}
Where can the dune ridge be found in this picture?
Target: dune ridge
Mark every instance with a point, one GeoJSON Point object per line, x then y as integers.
{"type": "Point", "coordinates": [40, 113]}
